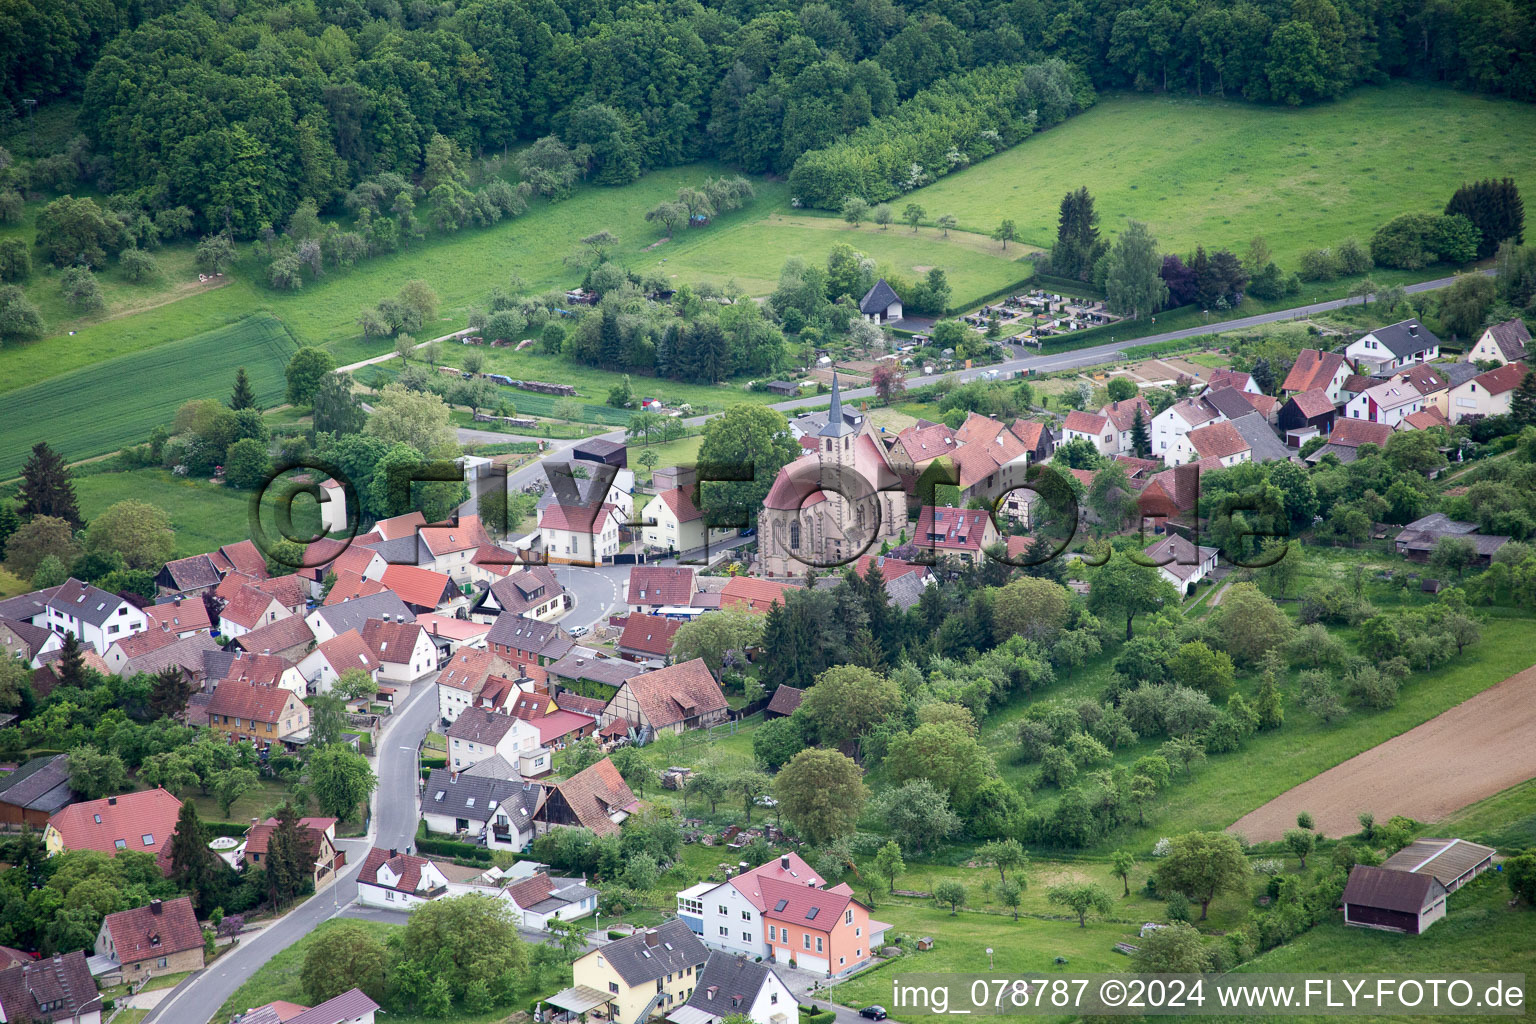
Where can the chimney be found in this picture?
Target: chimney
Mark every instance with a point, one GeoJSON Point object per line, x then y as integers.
{"type": "Point", "coordinates": [154, 906]}
{"type": "Point", "coordinates": [784, 862]}
{"type": "Point", "coordinates": [1413, 330]}
{"type": "Point", "coordinates": [255, 822]}
{"type": "Point", "coordinates": [651, 938]}
{"type": "Point", "coordinates": [393, 853]}
{"type": "Point", "coordinates": [111, 801]}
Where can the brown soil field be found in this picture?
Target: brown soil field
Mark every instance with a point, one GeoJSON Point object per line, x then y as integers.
{"type": "Point", "coordinates": [1470, 752]}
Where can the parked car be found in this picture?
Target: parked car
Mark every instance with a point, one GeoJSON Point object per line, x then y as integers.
{"type": "Point", "coordinates": [873, 1012]}
{"type": "Point", "coordinates": [581, 631]}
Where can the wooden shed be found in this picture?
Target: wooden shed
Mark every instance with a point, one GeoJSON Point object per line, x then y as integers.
{"type": "Point", "coordinates": [1392, 900]}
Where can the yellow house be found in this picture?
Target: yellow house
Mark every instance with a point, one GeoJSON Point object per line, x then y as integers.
{"type": "Point", "coordinates": [648, 974]}
{"type": "Point", "coordinates": [673, 523]}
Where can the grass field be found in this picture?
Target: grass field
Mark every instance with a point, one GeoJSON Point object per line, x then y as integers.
{"type": "Point", "coordinates": [1219, 172]}
{"type": "Point", "coordinates": [103, 407]}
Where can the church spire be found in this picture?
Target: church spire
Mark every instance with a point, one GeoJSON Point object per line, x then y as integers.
{"type": "Point", "coordinates": [837, 424]}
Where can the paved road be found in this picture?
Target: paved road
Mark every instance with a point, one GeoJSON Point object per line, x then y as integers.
{"type": "Point", "coordinates": [197, 999]}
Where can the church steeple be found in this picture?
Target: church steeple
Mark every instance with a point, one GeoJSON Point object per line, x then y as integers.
{"type": "Point", "coordinates": [837, 424]}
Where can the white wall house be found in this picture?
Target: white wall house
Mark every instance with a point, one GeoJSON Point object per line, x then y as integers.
{"type": "Point", "coordinates": [1171, 427]}
{"type": "Point", "coordinates": [1393, 347]}
{"type": "Point", "coordinates": [479, 733]}
{"type": "Point", "coordinates": [674, 524]}
{"type": "Point", "coordinates": [728, 916]}
{"type": "Point", "coordinates": [392, 880]}
{"type": "Point", "coordinates": [96, 617]}
{"type": "Point", "coordinates": [579, 535]}
{"type": "Point", "coordinates": [1097, 430]}
{"type": "Point", "coordinates": [1389, 403]}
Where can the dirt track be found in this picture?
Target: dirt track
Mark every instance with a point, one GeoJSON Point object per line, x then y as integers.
{"type": "Point", "coordinates": [1472, 751]}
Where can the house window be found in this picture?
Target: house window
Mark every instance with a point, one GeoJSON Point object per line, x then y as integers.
{"type": "Point", "coordinates": [725, 932]}
{"type": "Point", "coordinates": [746, 915]}
{"type": "Point", "coordinates": [818, 943]}
{"type": "Point", "coordinates": [390, 896]}
{"type": "Point", "coordinates": [746, 936]}
{"type": "Point", "coordinates": [149, 839]}
{"type": "Point", "coordinates": [807, 940]}
{"type": "Point", "coordinates": [613, 986]}
{"type": "Point", "coordinates": [121, 844]}
{"type": "Point", "coordinates": [160, 962]}
{"type": "Point", "coordinates": [848, 917]}
{"type": "Point", "coordinates": [722, 910]}
{"type": "Point", "coordinates": [773, 933]}
{"type": "Point", "coordinates": [773, 999]}
{"type": "Point", "coordinates": [841, 961]}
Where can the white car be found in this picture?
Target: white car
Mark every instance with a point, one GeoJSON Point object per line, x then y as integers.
{"type": "Point", "coordinates": [581, 631]}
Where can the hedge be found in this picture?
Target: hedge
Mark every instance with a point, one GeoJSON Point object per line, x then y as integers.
{"type": "Point", "coordinates": [454, 848]}
{"type": "Point", "coordinates": [435, 762]}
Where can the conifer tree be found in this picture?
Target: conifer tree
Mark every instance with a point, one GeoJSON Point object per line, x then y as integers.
{"type": "Point", "coordinates": [71, 662]}
{"type": "Point", "coordinates": [10, 522]}
{"type": "Point", "coordinates": [46, 489]}
{"type": "Point", "coordinates": [1267, 703]}
{"type": "Point", "coordinates": [290, 857]}
{"type": "Point", "coordinates": [1522, 405]}
{"type": "Point", "coordinates": [1264, 375]}
{"type": "Point", "coordinates": [169, 691]}
{"type": "Point", "coordinates": [243, 396]}
{"type": "Point", "coordinates": [194, 867]}
{"type": "Point", "coordinates": [1141, 441]}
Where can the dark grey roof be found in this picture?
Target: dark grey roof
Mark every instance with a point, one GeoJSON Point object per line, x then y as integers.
{"type": "Point", "coordinates": [1255, 429]}
{"type": "Point", "coordinates": [1345, 453]}
{"type": "Point", "coordinates": [878, 298]}
{"type": "Point", "coordinates": [64, 982]}
{"type": "Point", "coordinates": [656, 952]}
{"type": "Point", "coordinates": [525, 634]}
{"type": "Point", "coordinates": [355, 613]}
{"type": "Point", "coordinates": [583, 488]}
{"type": "Point", "coordinates": [481, 725]}
{"type": "Point", "coordinates": [27, 606]}
{"type": "Point", "coordinates": [1405, 337]}
{"type": "Point", "coordinates": [399, 551]}
{"type": "Point", "coordinates": [838, 424]}
{"type": "Point", "coordinates": [192, 573]}
{"type": "Point", "coordinates": [35, 637]}
{"type": "Point", "coordinates": [584, 663]}
{"type": "Point", "coordinates": [471, 797]}
{"type": "Point", "coordinates": [1457, 373]}
{"type": "Point", "coordinates": [1390, 889]}
{"type": "Point", "coordinates": [42, 784]}
{"type": "Point", "coordinates": [905, 590]}
{"type": "Point", "coordinates": [1229, 402]}
{"type": "Point", "coordinates": [596, 446]}
{"type": "Point", "coordinates": [1511, 336]}
{"type": "Point", "coordinates": [85, 602]}
{"type": "Point", "coordinates": [728, 984]}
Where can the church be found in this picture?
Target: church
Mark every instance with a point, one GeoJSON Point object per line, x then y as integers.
{"type": "Point", "coordinates": [833, 504]}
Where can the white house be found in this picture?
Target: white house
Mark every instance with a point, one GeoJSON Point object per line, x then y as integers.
{"type": "Point", "coordinates": [1487, 394]}
{"type": "Point", "coordinates": [250, 609]}
{"type": "Point", "coordinates": [1179, 562]}
{"type": "Point", "coordinates": [580, 534]}
{"type": "Point", "coordinates": [398, 881]}
{"type": "Point", "coordinates": [325, 664]}
{"type": "Point", "coordinates": [1121, 419]}
{"type": "Point", "coordinates": [673, 523]}
{"type": "Point", "coordinates": [728, 915]}
{"type": "Point", "coordinates": [1501, 343]}
{"type": "Point", "coordinates": [1315, 369]}
{"type": "Point", "coordinates": [540, 899]}
{"type": "Point", "coordinates": [880, 304]}
{"type": "Point", "coordinates": [1393, 347]}
{"type": "Point", "coordinates": [96, 617]}
{"type": "Point", "coordinates": [734, 985]}
{"type": "Point", "coordinates": [489, 802]}
{"type": "Point", "coordinates": [1094, 429]}
{"type": "Point", "coordinates": [404, 651]}
{"type": "Point", "coordinates": [479, 733]}
{"type": "Point", "coordinates": [1171, 427]}
{"type": "Point", "coordinates": [1390, 403]}
{"type": "Point", "coordinates": [620, 493]}
{"type": "Point", "coordinates": [1220, 441]}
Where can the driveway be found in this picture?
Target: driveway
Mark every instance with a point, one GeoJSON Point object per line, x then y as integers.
{"type": "Point", "coordinates": [197, 999]}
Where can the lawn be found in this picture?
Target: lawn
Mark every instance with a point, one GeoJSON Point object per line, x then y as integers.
{"type": "Point", "coordinates": [681, 452]}
{"type": "Point", "coordinates": [279, 978]}
{"type": "Point", "coordinates": [205, 516]}
{"type": "Point", "coordinates": [101, 408]}
{"type": "Point", "coordinates": [1219, 172]}
{"type": "Point", "coordinates": [259, 802]}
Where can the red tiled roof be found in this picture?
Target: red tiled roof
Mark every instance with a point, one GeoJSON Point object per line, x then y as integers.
{"type": "Point", "coordinates": [399, 526]}
{"type": "Point", "coordinates": [405, 867]}
{"type": "Point", "coordinates": [248, 607]}
{"type": "Point", "coordinates": [953, 529]}
{"type": "Point", "coordinates": [1228, 379]}
{"type": "Point", "coordinates": [180, 616]}
{"type": "Point", "coordinates": [1351, 433]}
{"type": "Point", "coordinates": [348, 650]}
{"type": "Point", "coordinates": [1029, 432]}
{"type": "Point", "coordinates": [1264, 405]}
{"type": "Point", "coordinates": [661, 585]}
{"type": "Point", "coordinates": [152, 931]}
{"type": "Point", "coordinates": [355, 559]}
{"type": "Point", "coordinates": [650, 634]}
{"type": "Point", "coordinates": [530, 890]}
{"type": "Point", "coordinates": [795, 903]}
{"type": "Point", "coordinates": [593, 793]}
{"type": "Point", "coordinates": [1313, 402]}
{"type": "Point", "coordinates": [756, 595]}
{"type": "Point", "coordinates": [250, 701]}
{"type": "Point", "coordinates": [245, 557]}
{"type": "Point", "coordinates": [576, 518]}
{"type": "Point", "coordinates": [1085, 423]}
{"type": "Point", "coordinates": [1505, 378]}
{"type": "Point", "coordinates": [393, 642]}
{"type": "Point", "coordinates": [1426, 380]}
{"type": "Point", "coordinates": [350, 586]}
{"type": "Point", "coordinates": [289, 590]}
{"type": "Point", "coordinates": [466, 535]}
{"type": "Point", "coordinates": [924, 443]}
{"type": "Point", "coordinates": [1358, 382]}
{"type": "Point", "coordinates": [151, 639]}
{"type": "Point", "coordinates": [785, 700]}
{"type": "Point", "coordinates": [277, 636]}
{"type": "Point", "coordinates": [1123, 414]}
{"type": "Point", "coordinates": [1425, 418]}
{"type": "Point", "coordinates": [421, 587]}
{"type": "Point", "coordinates": [1217, 441]}
{"type": "Point", "coordinates": [467, 669]}
{"type": "Point", "coordinates": [797, 873]}
{"type": "Point", "coordinates": [568, 701]}
{"type": "Point", "coordinates": [676, 693]}
{"type": "Point", "coordinates": [257, 668]}
{"type": "Point", "coordinates": [890, 568]}
{"type": "Point", "coordinates": [552, 721]}
{"type": "Point", "coordinates": [1313, 369]}
{"type": "Point", "coordinates": [677, 500]}
{"type": "Point", "coordinates": [129, 817]}
{"type": "Point", "coordinates": [257, 837]}
{"type": "Point", "coordinates": [230, 585]}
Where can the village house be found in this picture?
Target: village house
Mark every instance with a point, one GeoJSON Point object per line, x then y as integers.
{"type": "Point", "coordinates": [1392, 900]}
{"type": "Point", "coordinates": [451, 634]}
{"type": "Point", "coordinates": [333, 619]}
{"type": "Point", "coordinates": [733, 985]}
{"type": "Point", "coordinates": [249, 608]}
{"type": "Point", "coordinates": [674, 699]}
{"type": "Point", "coordinates": [881, 304]}
{"type": "Point", "coordinates": [422, 590]}
{"type": "Point", "coordinates": [186, 655]}
{"type": "Point", "coordinates": [1451, 862]}
{"type": "Point", "coordinates": [351, 1007]}
{"type": "Point", "coordinates": [479, 733]}
{"type": "Point", "coordinates": [753, 594]}
{"type": "Point", "coordinates": [634, 978]}
{"type": "Point", "coordinates": [187, 577]}
{"type": "Point", "coordinates": [463, 677]}
{"type": "Point", "coordinates": [1502, 343]}
{"type": "Point", "coordinates": [1315, 370]}
{"type": "Point", "coordinates": [585, 671]}
{"type": "Point", "coordinates": [824, 930]}
{"type": "Point", "coordinates": [392, 880]}
{"type": "Point", "coordinates": [142, 821]}
{"type": "Point", "coordinates": [242, 557]}
{"type": "Point", "coordinates": [1305, 415]}
{"type": "Point", "coordinates": [262, 715]}
{"type": "Point", "coordinates": [539, 899]}
{"type": "Point", "coordinates": [1221, 442]}
{"type": "Point", "coordinates": [494, 808]}
{"type": "Point", "coordinates": [1386, 403]}
{"type": "Point", "coordinates": [1393, 347]}
{"type": "Point", "coordinates": [728, 915]}
{"type": "Point", "coordinates": [181, 618]}
{"type": "Point", "coordinates": [527, 644]}
{"type": "Point", "coordinates": [1348, 437]}
{"type": "Point", "coordinates": [1263, 445]}
{"type": "Point", "coordinates": [1417, 541]}
{"type": "Point", "coordinates": [161, 938]}
{"type": "Point", "coordinates": [329, 660]}
{"type": "Point", "coordinates": [1090, 427]}
{"type": "Point", "coordinates": [647, 637]}
{"type": "Point", "coordinates": [260, 669]}
{"type": "Point", "coordinates": [655, 588]}
{"type": "Point", "coordinates": [1180, 563]}
{"type": "Point", "coordinates": [319, 831]}
{"type": "Point", "coordinates": [595, 798]}
{"type": "Point", "coordinates": [21, 639]}
{"type": "Point", "coordinates": [1121, 418]}
{"type": "Point", "coordinates": [54, 989]}
{"type": "Point", "coordinates": [580, 534]}
{"type": "Point", "coordinates": [915, 447]}
{"type": "Point", "coordinates": [533, 592]}
{"type": "Point", "coordinates": [450, 548]}
{"type": "Point", "coordinates": [1172, 426]}
{"type": "Point", "coordinates": [1487, 394]}
{"type": "Point", "coordinates": [288, 638]}
{"type": "Point", "coordinates": [673, 523]}
{"type": "Point", "coordinates": [962, 533]}
{"type": "Point", "coordinates": [96, 617]}
{"type": "Point", "coordinates": [992, 462]}
{"type": "Point", "coordinates": [119, 652]}
{"type": "Point", "coordinates": [403, 650]}
{"type": "Point", "coordinates": [577, 483]}
{"type": "Point", "coordinates": [558, 727]}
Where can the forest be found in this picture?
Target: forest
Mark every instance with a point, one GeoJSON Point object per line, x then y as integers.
{"type": "Point", "coordinates": [239, 113]}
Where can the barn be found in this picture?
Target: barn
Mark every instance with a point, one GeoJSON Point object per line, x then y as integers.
{"type": "Point", "coordinates": [1392, 900]}
{"type": "Point", "coordinates": [1451, 862]}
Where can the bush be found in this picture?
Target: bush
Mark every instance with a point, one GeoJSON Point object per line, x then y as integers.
{"type": "Point", "coordinates": [453, 848]}
{"type": "Point", "coordinates": [1319, 265]}
{"type": "Point", "coordinates": [1415, 240]}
